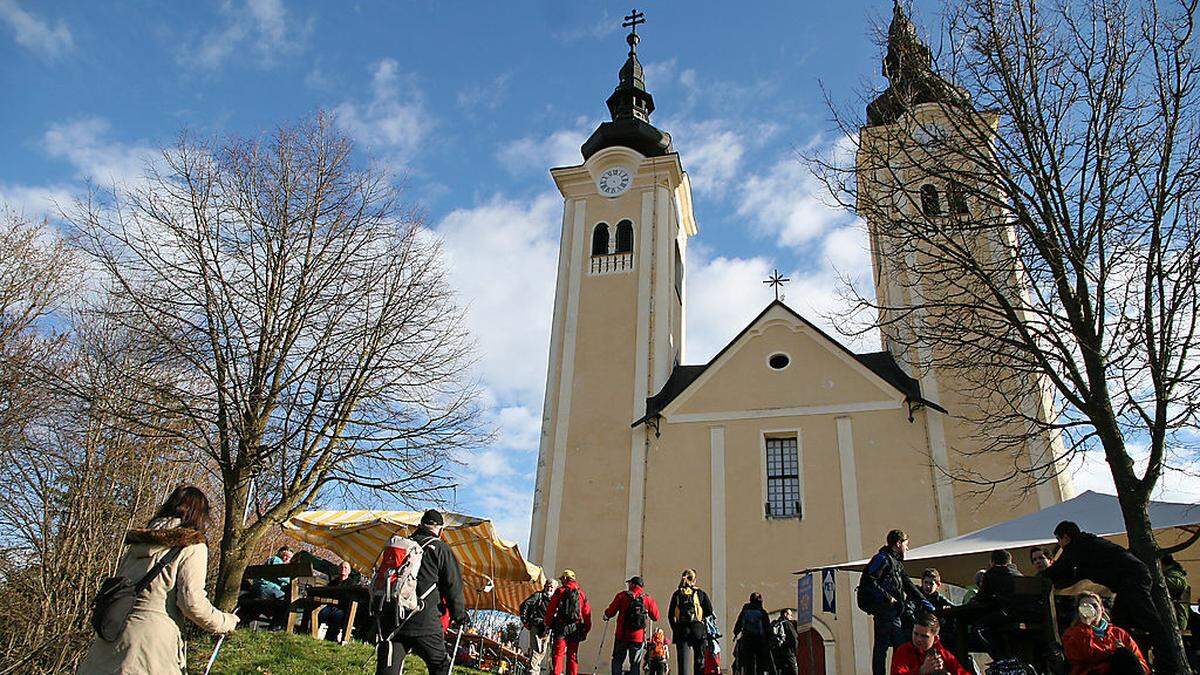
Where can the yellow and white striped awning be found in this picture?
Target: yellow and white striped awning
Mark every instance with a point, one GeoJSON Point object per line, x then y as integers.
{"type": "Point", "coordinates": [486, 560]}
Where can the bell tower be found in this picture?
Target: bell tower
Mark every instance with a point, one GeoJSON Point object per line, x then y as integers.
{"type": "Point", "coordinates": [617, 333]}
{"type": "Point", "coordinates": [921, 132]}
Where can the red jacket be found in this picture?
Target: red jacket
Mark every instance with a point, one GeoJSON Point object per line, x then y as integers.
{"type": "Point", "coordinates": [584, 608]}
{"type": "Point", "coordinates": [1088, 653]}
{"type": "Point", "coordinates": [907, 660]}
{"type": "Point", "coordinates": [618, 607]}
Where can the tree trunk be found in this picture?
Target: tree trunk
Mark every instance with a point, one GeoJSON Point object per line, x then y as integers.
{"type": "Point", "coordinates": [233, 547]}
{"type": "Point", "coordinates": [1169, 656]}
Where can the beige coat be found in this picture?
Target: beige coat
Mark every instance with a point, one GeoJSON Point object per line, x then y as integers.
{"type": "Point", "coordinates": [151, 642]}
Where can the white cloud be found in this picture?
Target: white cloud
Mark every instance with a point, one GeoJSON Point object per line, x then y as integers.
{"type": "Point", "coordinates": [35, 34]}
{"type": "Point", "coordinates": [259, 26]}
{"type": "Point", "coordinates": [85, 144]}
{"type": "Point", "coordinates": [502, 256]}
{"type": "Point", "coordinates": [1180, 481]}
{"type": "Point", "coordinates": [789, 203]}
{"type": "Point", "coordinates": [486, 96]}
{"type": "Point", "coordinates": [36, 201]}
{"type": "Point", "coordinates": [539, 153]}
{"type": "Point", "coordinates": [388, 124]}
{"type": "Point", "coordinates": [595, 28]}
{"type": "Point", "coordinates": [714, 153]}
{"type": "Point", "coordinates": [659, 72]}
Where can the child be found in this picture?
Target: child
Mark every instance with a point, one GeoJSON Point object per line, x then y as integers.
{"type": "Point", "coordinates": [658, 653]}
{"type": "Point", "coordinates": [712, 658]}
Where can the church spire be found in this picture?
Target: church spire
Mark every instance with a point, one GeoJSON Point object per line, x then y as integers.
{"type": "Point", "coordinates": [908, 67]}
{"type": "Point", "coordinates": [630, 106]}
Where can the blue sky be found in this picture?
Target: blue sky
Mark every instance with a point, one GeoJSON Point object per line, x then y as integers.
{"type": "Point", "coordinates": [470, 103]}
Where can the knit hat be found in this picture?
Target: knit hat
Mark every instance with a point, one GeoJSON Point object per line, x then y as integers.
{"type": "Point", "coordinates": [433, 517]}
{"type": "Point", "coordinates": [568, 574]}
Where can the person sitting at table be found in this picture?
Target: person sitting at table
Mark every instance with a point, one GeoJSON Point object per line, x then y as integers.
{"type": "Point", "coordinates": [334, 616]}
{"type": "Point", "coordinates": [1094, 646]}
{"type": "Point", "coordinates": [272, 588]}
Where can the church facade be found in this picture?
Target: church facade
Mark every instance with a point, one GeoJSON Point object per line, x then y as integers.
{"type": "Point", "coordinates": [784, 451]}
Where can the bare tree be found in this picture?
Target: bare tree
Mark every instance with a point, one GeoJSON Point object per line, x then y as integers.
{"type": "Point", "coordinates": [1032, 197]}
{"type": "Point", "coordinates": [301, 319]}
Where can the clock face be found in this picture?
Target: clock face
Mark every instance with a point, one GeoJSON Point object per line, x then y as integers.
{"type": "Point", "coordinates": [614, 181]}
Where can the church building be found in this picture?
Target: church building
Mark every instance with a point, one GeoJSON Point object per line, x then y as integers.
{"type": "Point", "coordinates": [784, 451]}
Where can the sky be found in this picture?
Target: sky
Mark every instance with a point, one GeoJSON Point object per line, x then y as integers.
{"type": "Point", "coordinates": [469, 104]}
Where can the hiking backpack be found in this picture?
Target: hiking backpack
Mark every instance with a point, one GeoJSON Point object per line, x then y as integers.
{"type": "Point", "coordinates": [635, 614]}
{"type": "Point", "coordinates": [869, 596]}
{"type": "Point", "coordinates": [687, 609]}
{"type": "Point", "coordinates": [568, 615]}
{"type": "Point", "coordinates": [778, 634]}
{"type": "Point", "coordinates": [753, 625]}
{"type": "Point", "coordinates": [395, 580]}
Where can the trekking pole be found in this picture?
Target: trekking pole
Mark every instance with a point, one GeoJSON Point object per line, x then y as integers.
{"type": "Point", "coordinates": [454, 654]}
{"type": "Point", "coordinates": [603, 636]}
{"type": "Point", "coordinates": [216, 650]}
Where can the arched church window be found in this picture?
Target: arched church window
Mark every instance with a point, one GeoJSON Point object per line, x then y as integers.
{"type": "Point", "coordinates": [931, 204]}
{"type": "Point", "coordinates": [624, 237]}
{"type": "Point", "coordinates": [600, 239]}
{"type": "Point", "coordinates": [956, 199]}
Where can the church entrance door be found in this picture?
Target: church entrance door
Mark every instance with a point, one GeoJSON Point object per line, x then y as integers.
{"type": "Point", "coordinates": [810, 653]}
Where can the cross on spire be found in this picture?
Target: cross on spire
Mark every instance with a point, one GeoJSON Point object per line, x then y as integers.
{"type": "Point", "coordinates": [633, 20]}
{"type": "Point", "coordinates": [776, 281]}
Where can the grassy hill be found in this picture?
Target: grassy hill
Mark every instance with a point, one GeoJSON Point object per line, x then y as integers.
{"type": "Point", "coordinates": [267, 653]}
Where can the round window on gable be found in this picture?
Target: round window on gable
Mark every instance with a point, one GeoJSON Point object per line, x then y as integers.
{"type": "Point", "coordinates": [778, 361]}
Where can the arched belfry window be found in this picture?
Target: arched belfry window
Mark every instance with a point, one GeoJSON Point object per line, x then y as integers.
{"type": "Point", "coordinates": [956, 199]}
{"type": "Point", "coordinates": [624, 237]}
{"type": "Point", "coordinates": [931, 204]}
{"type": "Point", "coordinates": [600, 239]}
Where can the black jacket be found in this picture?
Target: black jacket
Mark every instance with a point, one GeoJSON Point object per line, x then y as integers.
{"type": "Point", "coordinates": [1099, 560]}
{"type": "Point", "coordinates": [887, 569]}
{"type": "Point", "coordinates": [691, 631]}
{"type": "Point", "coordinates": [440, 568]}
{"type": "Point", "coordinates": [533, 611]}
{"type": "Point", "coordinates": [751, 612]}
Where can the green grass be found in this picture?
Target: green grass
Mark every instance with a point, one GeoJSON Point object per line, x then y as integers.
{"type": "Point", "coordinates": [267, 653]}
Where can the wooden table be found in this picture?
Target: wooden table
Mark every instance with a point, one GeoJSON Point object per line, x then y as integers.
{"type": "Point", "coordinates": [320, 596]}
{"type": "Point", "coordinates": [301, 575]}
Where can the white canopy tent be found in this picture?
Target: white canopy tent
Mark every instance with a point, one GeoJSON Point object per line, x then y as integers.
{"type": "Point", "coordinates": [959, 558]}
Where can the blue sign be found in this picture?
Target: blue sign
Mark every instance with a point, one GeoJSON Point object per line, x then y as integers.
{"type": "Point", "coordinates": [804, 602]}
{"type": "Point", "coordinates": [828, 592]}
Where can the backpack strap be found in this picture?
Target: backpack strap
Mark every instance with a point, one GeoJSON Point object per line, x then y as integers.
{"type": "Point", "coordinates": [159, 566]}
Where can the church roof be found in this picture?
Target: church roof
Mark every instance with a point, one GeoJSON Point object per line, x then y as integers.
{"type": "Point", "coordinates": [908, 67]}
{"type": "Point", "coordinates": [630, 106]}
{"type": "Point", "coordinates": [880, 363]}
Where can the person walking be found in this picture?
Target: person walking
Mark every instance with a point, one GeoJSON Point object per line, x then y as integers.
{"type": "Point", "coordinates": [785, 641]}
{"type": "Point", "coordinates": [570, 619]}
{"type": "Point", "coordinates": [152, 641]}
{"type": "Point", "coordinates": [1087, 556]}
{"type": "Point", "coordinates": [753, 625]}
{"type": "Point", "coordinates": [634, 609]}
{"type": "Point", "coordinates": [422, 632]}
{"type": "Point", "coordinates": [686, 613]}
{"type": "Point", "coordinates": [886, 573]}
{"type": "Point", "coordinates": [533, 618]}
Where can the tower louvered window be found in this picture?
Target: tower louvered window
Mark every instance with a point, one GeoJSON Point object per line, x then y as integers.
{"type": "Point", "coordinates": [931, 204]}
{"type": "Point", "coordinates": [783, 478]}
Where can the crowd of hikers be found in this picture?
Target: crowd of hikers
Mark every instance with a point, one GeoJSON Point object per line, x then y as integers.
{"type": "Point", "coordinates": [417, 596]}
{"type": "Point", "coordinates": [559, 618]}
{"type": "Point", "coordinates": [928, 634]}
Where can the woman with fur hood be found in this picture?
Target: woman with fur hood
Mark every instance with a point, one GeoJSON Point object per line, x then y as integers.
{"type": "Point", "coordinates": [152, 641]}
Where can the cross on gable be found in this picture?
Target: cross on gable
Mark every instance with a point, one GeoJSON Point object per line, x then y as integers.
{"type": "Point", "coordinates": [776, 281]}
